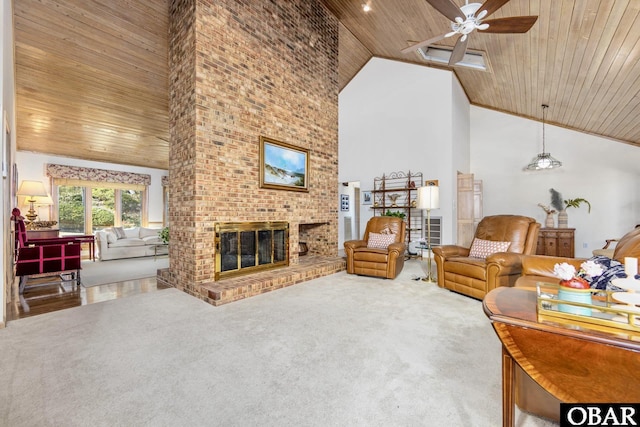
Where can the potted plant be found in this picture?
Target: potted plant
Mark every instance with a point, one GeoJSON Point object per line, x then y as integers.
{"type": "Point", "coordinates": [164, 235]}
{"type": "Point", "coordinates": [396, 214]}
{"type": "Point", "coordinates": [563, 218]}
{"type": "Point", "coordinates": [562, 205]}
{"type": "Point", "coordinates": [575, 203]}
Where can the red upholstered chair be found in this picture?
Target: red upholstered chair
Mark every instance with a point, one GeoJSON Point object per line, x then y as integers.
{"type": "Point", "coordinates": [60, 256]}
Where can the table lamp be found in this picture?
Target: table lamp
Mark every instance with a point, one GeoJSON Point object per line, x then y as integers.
{"type": "Point", "coordinates": [31, 190]}
{"type": "Point", "coordinates": [43, 201]}
{"type": "Point", "coordinates": [428, 198]}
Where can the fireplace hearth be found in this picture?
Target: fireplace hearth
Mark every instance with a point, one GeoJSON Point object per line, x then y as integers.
{"type": "Point", "coordinates": [247, 247]}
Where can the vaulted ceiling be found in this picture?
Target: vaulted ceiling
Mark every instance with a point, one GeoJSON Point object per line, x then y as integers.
{"type": "Point", "coordinates": [581, 57]}
{"type": "Point", "coordinates": [92, 79]}
{"type": "Point", "coordinates": [92, 76]}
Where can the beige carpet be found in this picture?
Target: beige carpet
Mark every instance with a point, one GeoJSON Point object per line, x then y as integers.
{"type": "Point", "coordinates": [119, 270]}
{"type": "Point", "coordinates": [341, 350]}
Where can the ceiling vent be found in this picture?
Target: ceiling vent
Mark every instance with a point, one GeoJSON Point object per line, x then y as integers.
{"type": "Point", "coordinates": [473, 59]}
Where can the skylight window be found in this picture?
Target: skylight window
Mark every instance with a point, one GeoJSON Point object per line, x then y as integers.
{"type": "Point", "coordinates": [441, 54]}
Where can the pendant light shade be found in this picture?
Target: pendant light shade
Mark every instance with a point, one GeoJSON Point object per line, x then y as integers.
{"type": "Point", "coordinates": [543, 160]}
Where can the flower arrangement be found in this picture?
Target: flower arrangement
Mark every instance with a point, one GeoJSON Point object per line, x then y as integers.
{"type": "Point", "coordinates": [547, 209]}
{"type": "Point", "coordinates": [574, 287]}
{"type": "Point", "coordinates": [578, 280]}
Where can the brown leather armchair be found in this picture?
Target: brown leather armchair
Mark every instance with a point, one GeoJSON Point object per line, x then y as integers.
{"type": "Point", "coordinates": [475, 277]}
{"type": "Point", "coordinates": [385, 263]}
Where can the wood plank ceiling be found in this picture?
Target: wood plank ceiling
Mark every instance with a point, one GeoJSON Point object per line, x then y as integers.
{"type": "Point", "coordinates": [92, 79]}
{"type": "Point", "coordinates": [92, 75]}
{"type": "Point", "coordinates": [582, 58]}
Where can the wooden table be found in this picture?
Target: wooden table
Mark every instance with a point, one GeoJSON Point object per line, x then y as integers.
{"type": "Point", "coordinates": [43, 233]}
{"type": "Point", "coordinates": [159, 245]}
{"type": "Point", "coordinates": [572, 363]}
{"type": "Point", "coordinates": [91, 240]}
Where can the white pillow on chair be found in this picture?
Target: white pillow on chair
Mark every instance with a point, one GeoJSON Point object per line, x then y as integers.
{"type": "Point", "coordinates": [483, 248]}
{"type": "Point", "coordinates": [380, 241]}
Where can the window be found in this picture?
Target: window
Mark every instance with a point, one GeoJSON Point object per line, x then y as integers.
{"type": "Point", "coordinates": [71, 210]}
{"type": "Point", "coordinates": [107, 207]}
{"type": "Point", "coordinates": [103, 208]}
{"type": "Point", "coordinates": [131, 202]}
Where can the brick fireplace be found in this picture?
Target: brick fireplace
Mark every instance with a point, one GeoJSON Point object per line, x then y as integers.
{"type": "Point", "coordinates": [247, 247]}
{"type": "Point", "coordinates": [238, 71]}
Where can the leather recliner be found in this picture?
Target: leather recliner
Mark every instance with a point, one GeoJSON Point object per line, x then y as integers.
{"type": "Point", "coordinates": [386, 263]}
{"type": "Point", "coordinates": [475, 277]}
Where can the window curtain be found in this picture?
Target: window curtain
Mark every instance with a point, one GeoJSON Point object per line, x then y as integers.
{"type": "Point", "coordinates": [97, 178]}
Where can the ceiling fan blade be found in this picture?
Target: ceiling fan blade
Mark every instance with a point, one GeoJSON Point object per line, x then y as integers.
{"type": "Point", "coordinates": [448, 8]}
{"type": "Point", "coordinates": [514, 24]}
{"type": "Point", "coordinates": [459, 51]}
{"type": "Point", "coordinates": [492, 5]}
{"type": "Point", "coordinates": [423, 43]}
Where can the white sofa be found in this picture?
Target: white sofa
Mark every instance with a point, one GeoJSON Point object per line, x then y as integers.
{"type": "Point", "coordinates": [137, 242]}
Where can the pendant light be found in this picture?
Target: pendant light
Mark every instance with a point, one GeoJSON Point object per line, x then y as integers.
{"type": "Point", "coordinates": [544, 159]}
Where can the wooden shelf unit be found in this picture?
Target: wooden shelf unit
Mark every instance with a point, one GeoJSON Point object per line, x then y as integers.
{"type": "Point", "coordinates": [403, 189]}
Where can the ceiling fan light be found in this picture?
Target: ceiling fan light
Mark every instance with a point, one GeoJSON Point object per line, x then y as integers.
{"type": "Point", "coordinates": [470, 9]}
{"type": "Point", "coordinates": [482, 26]}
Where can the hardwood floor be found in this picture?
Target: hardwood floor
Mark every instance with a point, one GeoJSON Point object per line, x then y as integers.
{"type": "Point", "coordinates": [50, 297]}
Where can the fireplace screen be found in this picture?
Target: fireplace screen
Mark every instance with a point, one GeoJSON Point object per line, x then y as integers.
{"type": "Point", "coordinates": [243, 247]}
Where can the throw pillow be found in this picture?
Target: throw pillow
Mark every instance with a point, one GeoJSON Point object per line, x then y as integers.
{"type": "Point", "coordinates": [111, 237]}
{"type": "Point", "coordinates": [149, 232]}
{"type": "Point", "coordinates": [611, 269]}
{"type": "Point", "coordinates": [380, 241]}
{"type": "Point", "coordinates": [119, 232]}
{"type": "Point", "coordinates": [483, 248]}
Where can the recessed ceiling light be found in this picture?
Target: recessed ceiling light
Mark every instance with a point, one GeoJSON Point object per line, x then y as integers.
{"type": "Point", "coordinates": [366, 7]}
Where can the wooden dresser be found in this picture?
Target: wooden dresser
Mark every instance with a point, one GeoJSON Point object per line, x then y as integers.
{"type": "Point", "coordinates": [556, 242]}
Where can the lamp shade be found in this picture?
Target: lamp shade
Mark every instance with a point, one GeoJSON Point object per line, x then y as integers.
{"type": "Point", "coordinates": [543, 161]}
{"type": "Point", "coordinates": [32, 189]}
{"type": "Point", "coordinates": [428, 197]}
{"type": "Point", "coordinates": [43, 201]}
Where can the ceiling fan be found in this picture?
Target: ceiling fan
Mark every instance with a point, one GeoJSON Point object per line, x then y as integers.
{"type": "Point", "coordinates": [470, 17]}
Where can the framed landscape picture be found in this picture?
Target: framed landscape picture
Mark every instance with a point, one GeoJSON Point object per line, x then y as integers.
{"type": "Point", "coordinates": [283, 166]}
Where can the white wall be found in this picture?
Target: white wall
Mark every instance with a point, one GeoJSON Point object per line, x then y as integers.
{"type": "Point", "coordinates": [395, 116]}
{"type": "Point", "coordinates": [348, 190]}
{"type": "Point", "coordinates": [461, 154]}
{"type": "Point", "coordinates": [7, 110]}
{"type": "Point", "coordinates": [603, 171]}
{"type": "Point", "coordinates": [32, 166]}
